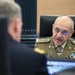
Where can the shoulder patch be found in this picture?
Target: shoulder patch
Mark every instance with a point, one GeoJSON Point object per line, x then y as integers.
{"type": "Point", "coordinates": [73, 42]}
{"type": "Point", "coordinates": [41, 40]}
{"type": "Point", "coordinates": [37, 50]}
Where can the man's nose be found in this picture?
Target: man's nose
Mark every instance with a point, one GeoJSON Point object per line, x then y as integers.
{"type": "Point", "coordinates": [59, 34]}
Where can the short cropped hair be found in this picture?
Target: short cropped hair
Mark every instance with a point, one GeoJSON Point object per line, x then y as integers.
{"type": "Point", "coordinates": [10, 9]}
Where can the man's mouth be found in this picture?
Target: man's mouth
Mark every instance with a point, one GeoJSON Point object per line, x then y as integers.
{"type": "Point", "coordinates": [59, 40]}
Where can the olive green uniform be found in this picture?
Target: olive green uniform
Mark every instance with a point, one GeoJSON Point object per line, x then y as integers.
{"type": "Point", "coordinates": [47, 45]}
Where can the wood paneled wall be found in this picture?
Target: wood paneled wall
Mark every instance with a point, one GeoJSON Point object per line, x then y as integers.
{"type": "Point", "coordinates": [12, 0]}
{"type": "Point", "coordinates": [54, 7]}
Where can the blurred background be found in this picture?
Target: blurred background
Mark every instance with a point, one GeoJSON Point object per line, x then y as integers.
{"type": "Point", "coordinates": [33, 9]}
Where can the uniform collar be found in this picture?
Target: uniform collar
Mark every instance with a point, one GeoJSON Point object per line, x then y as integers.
{"type": "Point", "coordinates": [62, 45]}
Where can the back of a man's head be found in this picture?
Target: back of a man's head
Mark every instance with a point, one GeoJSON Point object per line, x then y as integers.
{"type": "Point", "coordinates": [10, 9]}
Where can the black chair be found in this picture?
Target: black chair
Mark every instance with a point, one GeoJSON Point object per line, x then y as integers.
{"type": "Point", "coordinates": [46, 25]}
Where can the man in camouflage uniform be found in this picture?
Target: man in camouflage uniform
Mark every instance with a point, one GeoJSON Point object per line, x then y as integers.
{"type": "Point", "coordinates": [62, 32]}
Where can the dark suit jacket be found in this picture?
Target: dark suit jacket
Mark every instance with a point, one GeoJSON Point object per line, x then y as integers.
{"type": "Point", "coordinates": [24, 61]}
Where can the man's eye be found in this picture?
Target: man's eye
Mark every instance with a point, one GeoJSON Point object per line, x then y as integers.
{"type": "Point", "coordinates": [65, 32]}
{"type": "Point", "coordinates": [57, 29]}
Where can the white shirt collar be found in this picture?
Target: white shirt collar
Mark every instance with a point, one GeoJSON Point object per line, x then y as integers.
{"type": "Point", "coordinates": [62, 45]}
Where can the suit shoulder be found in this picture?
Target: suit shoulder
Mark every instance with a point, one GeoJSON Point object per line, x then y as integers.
{"type": "Point", "coordinates": [39, 51]}
{"type": "Point", "coordinates": [43, 40]}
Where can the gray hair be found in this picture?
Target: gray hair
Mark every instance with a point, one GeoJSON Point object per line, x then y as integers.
{"type": "Point", "coordinates": [10, 9]}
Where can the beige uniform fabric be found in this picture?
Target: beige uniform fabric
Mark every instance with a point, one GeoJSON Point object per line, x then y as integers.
{"type": "Point", "coordinates": [46, 44]}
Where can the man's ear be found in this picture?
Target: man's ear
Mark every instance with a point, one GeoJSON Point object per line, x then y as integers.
{"type": "Point", "coordinates": [72, 31]}
{"type": "Point", "coordinates": [16, 22]}
{"type": "Point", "coordinates": [52, 25]}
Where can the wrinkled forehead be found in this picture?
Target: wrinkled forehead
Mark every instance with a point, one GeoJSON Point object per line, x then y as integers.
{"type": "Point", "coordinates": [64, 19]}
{"type": "Point", "coordinates": [63, 26]}
{"type": "Point", "coordinates": [64, 22]}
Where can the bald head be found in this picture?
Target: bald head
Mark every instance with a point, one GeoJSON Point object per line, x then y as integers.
{"type": "Point", "coordinates": [65, 19]}
{"type": "Point", "coordinates": [62, 29]}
